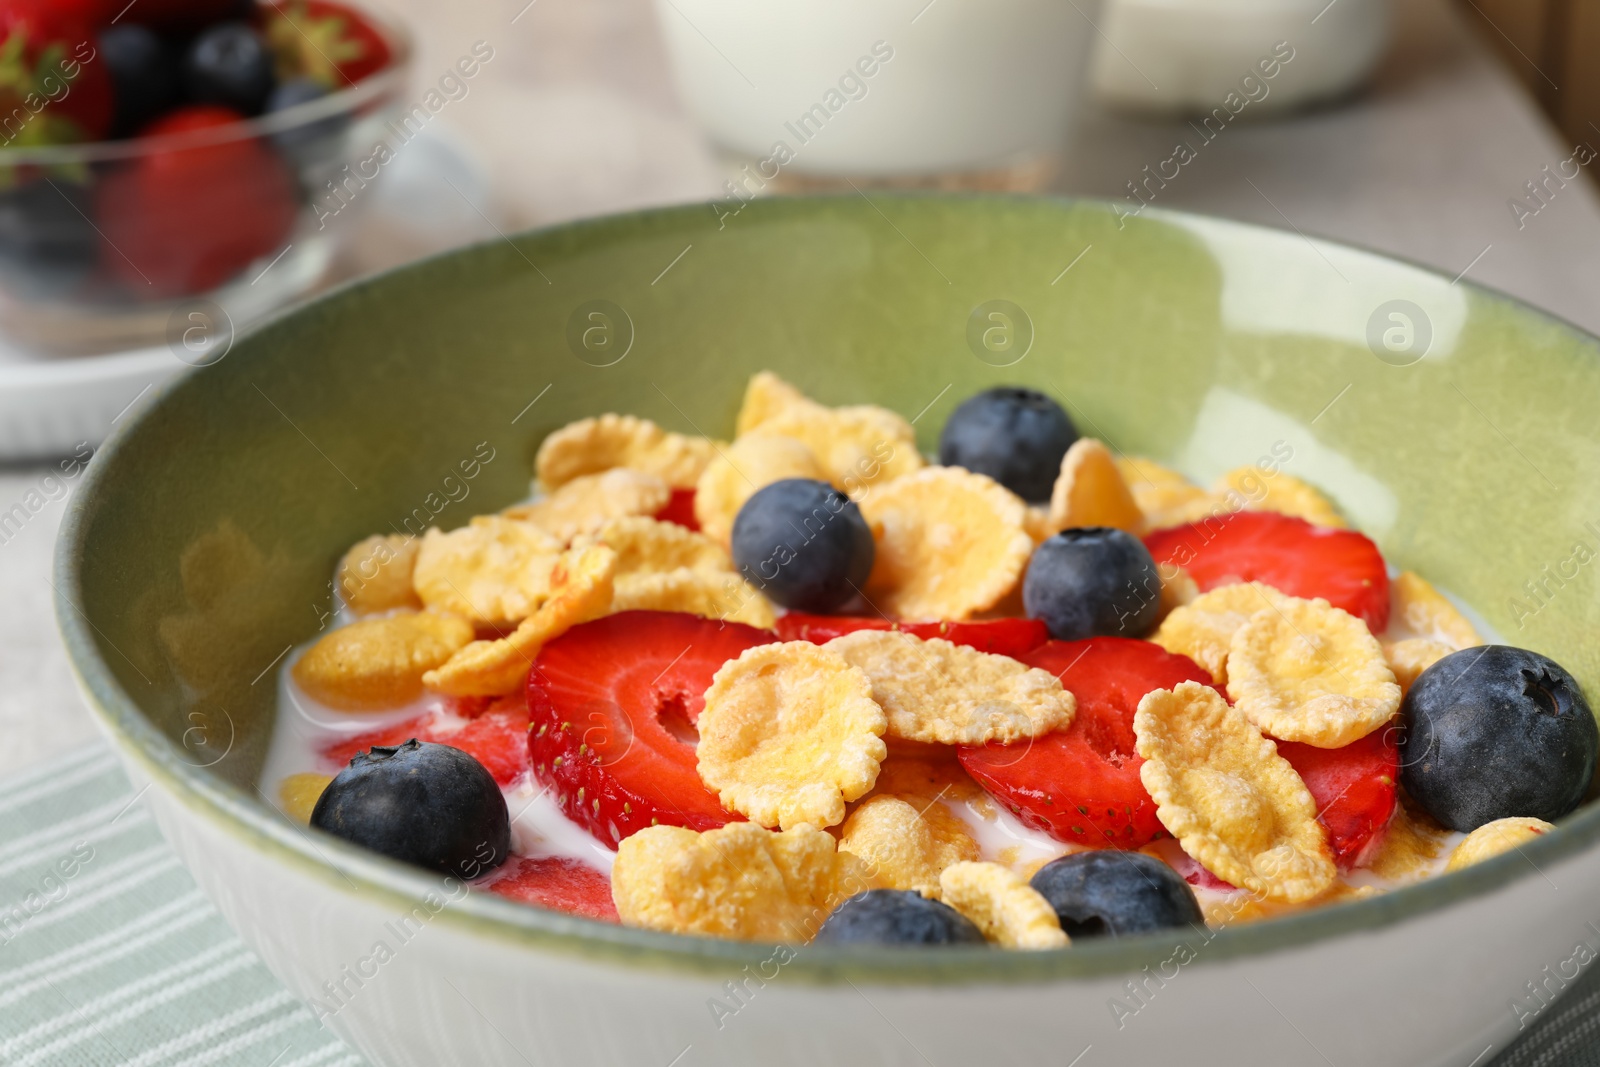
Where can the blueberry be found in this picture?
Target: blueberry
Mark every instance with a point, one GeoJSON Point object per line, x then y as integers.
{"type": "Point", "coordinates": [429, 805]}
{"type": "Point", "coordinates": [230, 65]}
{"type": "Point", "coordinates": [804, 544]}
{"type": "Point", "coordinates": [48, 246]}
{"type": "Point", "coordinates": [308, 142]}
{"type": "Point", "coordinates": [1116, 893]}
{"type": "Point", "coordinates": [1093, 581]}
{"type": "Point", "coordinates": [1015, 436]}
{"type": "Point", "coordinates": [144, 75]}
{"type": "Point", "coordinates": [897, 917]}
{"type": "Point", "coordinates": [1495, 732]}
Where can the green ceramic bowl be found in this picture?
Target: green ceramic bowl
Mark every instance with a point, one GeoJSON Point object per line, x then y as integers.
{"type": "Point", "coordinates": [1453, 425]}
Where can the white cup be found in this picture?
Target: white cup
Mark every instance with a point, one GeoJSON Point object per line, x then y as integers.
{"type": "Point", "coordinates": [881, 89]}
{"type": "Point", "coordinates": [1187, 56]}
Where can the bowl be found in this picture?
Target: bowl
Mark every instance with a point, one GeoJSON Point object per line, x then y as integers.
{"type": "Point", "coordinates": [181, 238]}
{"type": "Point", "coordinates": [882, 90]}
{"type": "Point", "coordinates": [1451, 423]}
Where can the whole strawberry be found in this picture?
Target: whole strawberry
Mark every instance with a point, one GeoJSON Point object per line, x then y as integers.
{"type": "Point", "coordinates": [185, 220]}
{"type": "Point", "coordinates": [54, 86]}
{"type": "Point", "coordinates": [183, 16]}
{"type": "Point", "coordinates": [324, 41]}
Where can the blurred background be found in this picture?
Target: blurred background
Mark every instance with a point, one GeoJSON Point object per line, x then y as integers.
{"type": "Point", "coordinates": [1455, 133]}
{"type": "Point", "coordinates": [173, 171]}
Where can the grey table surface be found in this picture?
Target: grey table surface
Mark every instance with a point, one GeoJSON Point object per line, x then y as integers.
{"type": "Point", "coordinates": [577, 116]}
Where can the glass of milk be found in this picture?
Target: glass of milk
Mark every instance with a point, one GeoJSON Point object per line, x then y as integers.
{"type": "Point", "coordinates": [947, 93]}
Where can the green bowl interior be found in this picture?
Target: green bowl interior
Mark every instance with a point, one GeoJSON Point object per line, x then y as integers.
{"type": "Point", "coordinates": [202, 546]}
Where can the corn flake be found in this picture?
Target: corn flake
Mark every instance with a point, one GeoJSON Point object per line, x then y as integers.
{"type": "Point", "coordinates": [580, 590]}
{"type": "Point", "coordinates": [858, 447]}
{"type": "Point", "coordinates": [1165, 497]}
{"type": "Point", "coordinates": [646, 546]}
{"type": "Point", "coordinates": [728, 598]}
{"type": "Point", "coordinates": [379, 662]}
{"type": "Point", "coordinates": [662, 566]}
{"type": "Point", "coordinates": [1256, 490]}
{"type": "Point", "coordinates": [493, 572]}
{"type": "Point", "coordinates": [749, 464]}
{"type": "Point", "coordinates": [932, 775]}
{"type": "Point", "coordinates": [596, 445]}
{"type": "Point", "coordinates": [738, 881]}
{"type": "Point", "coordinates": [905, 844]}
{"type": "Point", "coordinates": [1303, 670]}
{"type": "Point", "coordinates": [789, 734]}
{"type": "Point", "coordinates": [950, 543]}
{"type": "Point", "coordinates": [375, 575]}
{"type": "Point", "coordinates": [1417, 609]}
{"type": "Point", "coordinates": [764, 397]}
{"type": "Point", "coordinates": [1494, 838]}
{"type": "Point", "coordinates": [1410, 657]}
{"type": "Point", "coordinates": [1090, 491]}
{"type": "Point", "coordinates": [1411, 844]}
{"type": "Point", "coordinates": [1203, 629]}
{"type": "Point", "coordinates": [1007, 909]}
{"type": "Point", "coordinates": [1231, 801]}
{"type": "Point", "coordinates": [1176, 591]}
{"type": "Point", "coordinates": [950, 694]}
{"type": "Point", "coordinates": [1036, 520]}
{"type": "Point", "coordinates": [589, 502]}
{"type": "Point", "coordinates": [299, 793]}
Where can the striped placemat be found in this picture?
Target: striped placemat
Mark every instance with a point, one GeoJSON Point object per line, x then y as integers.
{"type": "Point", "coordinates": [109, 954]}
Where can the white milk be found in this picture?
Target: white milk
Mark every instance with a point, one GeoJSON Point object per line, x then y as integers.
{"type": "Point", "coordinates": [881, 88]}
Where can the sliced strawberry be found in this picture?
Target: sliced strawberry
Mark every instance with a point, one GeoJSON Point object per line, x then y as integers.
{"type": "Point", "coordinates": [1082, 785]}
{"type": "Point", "coordinates": [496, 737]}
{"type": "Point", "coordinates": [680, 509]}
{"type": "Point", "coordinates": [1291, 555]}
{"type": "Point", "coordinates": [1191, 871]}
{"type": "Point", "coordinates": [1005, 637]}
{"type": "Point", "coordinates": [820, 629]}
{"type": "Point", "coordinates": [557, 883]}
{"type": "Point", "coordinates": [1354, 790]}
{"type": "Point", "coordinates": [612, 707]}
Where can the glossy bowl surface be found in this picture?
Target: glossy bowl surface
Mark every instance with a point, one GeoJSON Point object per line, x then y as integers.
{"type": "Point", "coordinates": [1452, 424]}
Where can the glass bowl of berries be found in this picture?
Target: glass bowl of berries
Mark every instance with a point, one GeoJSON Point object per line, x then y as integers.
{"type": "Point", "coordinates": [173, 164]}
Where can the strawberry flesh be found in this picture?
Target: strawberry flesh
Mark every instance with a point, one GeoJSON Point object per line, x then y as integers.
{"type": "Point", "coordinates": [1004, 637]}
{"type": "Point", "coordinates": [680, 509]}
{"type": "Point", "coordinates": [1354, 788]}
{"type": "Point", "coordinates": [54, 87]}
{"type": "Point", "coordinates": [1082, 785]}
{"type": "Point", "coordinates": [612, 707]}
{"type": "Point", "coordinates": [184, 220]}
{"type": "Point", "coordinates": [1291, 555]}
{"type": "Point", "coordinates": [557, 883]}
{"type": "Point", "coordinates": [1190, 870]}
{"type": "Point", "coordinates": [495, 736]}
